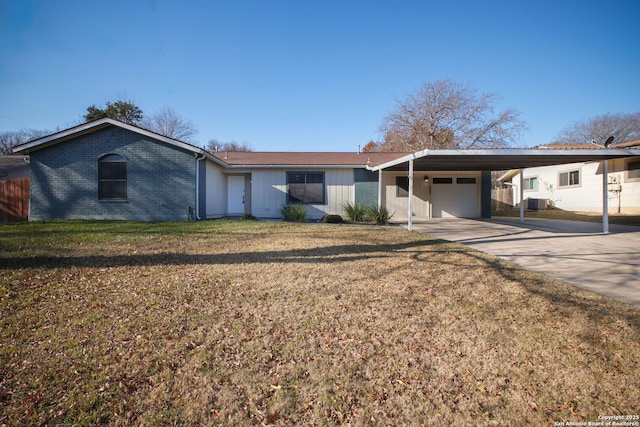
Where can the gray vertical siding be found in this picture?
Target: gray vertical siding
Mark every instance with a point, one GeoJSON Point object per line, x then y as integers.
{"type": "Point", "coordinates": [366, 187]}
{"type": "Point", "coordinates": [161, 178]}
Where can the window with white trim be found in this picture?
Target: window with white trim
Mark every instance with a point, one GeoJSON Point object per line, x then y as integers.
{"type": "Point", "coordinates": [530, 184]}
{"type": "Point", "coordinates": [633, 169]}
{"type": "Point", "coordinates": [569, 178]}
{"type": "Point", "coordinates": [112, 177]}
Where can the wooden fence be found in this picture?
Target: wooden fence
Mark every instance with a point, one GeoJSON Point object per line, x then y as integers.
{"type": "Point", "coordinates": [501, 199]}
{"type": "Point", "coordinates": [14, 200]}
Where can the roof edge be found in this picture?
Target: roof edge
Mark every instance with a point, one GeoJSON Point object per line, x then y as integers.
{"type": "Point", "coordinates": [600, 154]}
{"type": "Point", "coordinates": [95, 125]}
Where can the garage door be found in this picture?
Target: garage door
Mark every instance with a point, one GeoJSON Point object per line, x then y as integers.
{"type": "Point", "coordinates": [454, 197]}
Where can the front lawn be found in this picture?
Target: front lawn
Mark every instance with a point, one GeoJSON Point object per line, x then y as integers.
{"type": "Point", "coordinates": [249, 323]}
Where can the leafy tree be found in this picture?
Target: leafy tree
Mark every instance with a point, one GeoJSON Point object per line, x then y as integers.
{"type": "Point", "coordinates": [170, 124]}
{"type": "Point", "coordinates": [445, 114]}
{"type": "Point", "coordinates": [8, 140]}
{"type": "Point", "coordinates": [125, 111]}
{"type": "Point", "coordinates": [623, 127]}
{"type": "Point", "coordinates": [214, 146]}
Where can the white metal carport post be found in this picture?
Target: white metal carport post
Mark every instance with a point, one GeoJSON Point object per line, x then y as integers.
{"type": "Point", "coordinates": [605, 196]}
{"type": "Point", "coordinates": [379, 188]}
{"type": "Point", "coordinates": [521, 195]}
{"type": "Point", "coordinates": [410, 219]}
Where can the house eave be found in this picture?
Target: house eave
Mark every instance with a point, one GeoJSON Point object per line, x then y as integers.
{"type": "Point", "coordinates": [501, 159]}
{"type": "Point", "coordinates": [293, 166]}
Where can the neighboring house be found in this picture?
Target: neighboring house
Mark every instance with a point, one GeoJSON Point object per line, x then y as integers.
{"type": "Point", "coordinates": [107, 169]}
{"type": "Point", "coordinates": [578, 186]}
{"type": "Point", "coordinates": [14, 188]}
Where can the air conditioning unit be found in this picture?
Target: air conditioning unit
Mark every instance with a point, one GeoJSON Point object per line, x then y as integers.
{"type": "Point", "coordinates": [537, 204]}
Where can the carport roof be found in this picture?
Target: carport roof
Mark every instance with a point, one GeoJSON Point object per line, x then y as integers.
{"type": "Point", "coordinates": [501, 159]}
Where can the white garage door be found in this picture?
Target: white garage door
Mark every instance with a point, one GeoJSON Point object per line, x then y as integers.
{"type": "Point", "coordinates": [454, 197]}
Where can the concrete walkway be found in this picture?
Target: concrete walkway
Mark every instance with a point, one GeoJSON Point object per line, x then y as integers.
{"type": "Point", "coordinates": [576, 252]}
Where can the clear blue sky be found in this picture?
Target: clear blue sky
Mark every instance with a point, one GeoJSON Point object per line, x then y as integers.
{"type": "Point", "coordinates": [313, 75]}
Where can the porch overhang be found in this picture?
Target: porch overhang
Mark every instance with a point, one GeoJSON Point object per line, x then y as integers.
{"type": "Point", "coordinates": [503, 159]}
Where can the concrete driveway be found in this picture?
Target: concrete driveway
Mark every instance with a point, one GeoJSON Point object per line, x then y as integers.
{"type": "Point", "coordinates": [576, 252]}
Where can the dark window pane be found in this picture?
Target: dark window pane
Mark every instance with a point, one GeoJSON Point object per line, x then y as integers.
{"type": "Point", "coordinates": [315, 178]}
{"type": "Point", "coordinates": [116, 190]}
{"type": "Point", "coordinates": [468, 180]}
{"type": "Point", "coordinates": [113, 170]}
{"type": "Point", "coordinates": [564, 179]}
{"type": "Point", "coordinates": [295, 178]}
{"type": "Point", "coordinates": [296, 193]}
{"type": "Point", "coordinates": [402, 186]}
{"type": "Point", "coordinates": [574, 178]}
{"type": "Point", "coordinates": [314, 193]}
{"type": "Point", "coordinates": [443, 180]}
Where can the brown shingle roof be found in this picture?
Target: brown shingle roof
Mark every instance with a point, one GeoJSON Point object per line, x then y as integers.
{"type": "Point", "coordinates": [252, 158]}
{"type": "Point", "coordinates": [558, 146]}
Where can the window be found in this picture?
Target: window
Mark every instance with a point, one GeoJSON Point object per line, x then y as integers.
{"type": "Point", "coordinates": [443, 180]}
{"type": "Point", "coordinates": [633, 169]}
{"type": "Point", "coordinates": [568, 179]}
{"type": "Point", "coordinates": [402, 186]}
{"type": "Point", "coordinates": [465, 180]}
{"type": "Point", "coordinates": [305, 187]}
{"type": "Point", "coordinates": [531, 183]}
{"type": "Point", "coordinates": [112, 178]}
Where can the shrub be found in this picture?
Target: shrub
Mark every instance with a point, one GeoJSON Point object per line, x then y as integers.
{"type": "Point", "coordinates": [293, 212]}
{"type": "Point", "coordinates": [379, 215]}
{"type": "Point", "coordinates": [332, 219]}
{"type": "Point", "coordinates": [356, 211]}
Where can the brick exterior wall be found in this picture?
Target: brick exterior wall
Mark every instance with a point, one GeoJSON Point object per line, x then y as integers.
{"type": "Point", "coordinates": [366, 187]}
{"type": "Point", "coordinates": [160, 179]}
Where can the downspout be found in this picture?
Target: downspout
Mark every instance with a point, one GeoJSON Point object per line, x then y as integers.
{"type": "Point", "coordinates": [198, 185]}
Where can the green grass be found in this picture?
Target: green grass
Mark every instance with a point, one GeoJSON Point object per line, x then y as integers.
{"type": "Point", "coordinates": [245, 322]}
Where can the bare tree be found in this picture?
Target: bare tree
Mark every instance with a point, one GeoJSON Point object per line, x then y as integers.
{"type": "Point", "coordinates": [623, 127]}
{"type": "Point", "coordinates": [214, 146]}
{"type": "Point", "coordinates": [445, 114]}
{"type": "Point", "coordinates": [170, 124]}
{"type": "Point", "coordinates": [8, 140]}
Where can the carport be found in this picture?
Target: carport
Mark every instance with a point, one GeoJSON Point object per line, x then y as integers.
{"type": "Point", "coordinates": [500, 159]}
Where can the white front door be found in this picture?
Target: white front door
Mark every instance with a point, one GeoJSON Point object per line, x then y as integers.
{"type": "Point", "coordinates": [235, 195]}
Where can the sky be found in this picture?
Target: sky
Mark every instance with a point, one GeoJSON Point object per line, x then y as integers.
{"type": "Point", "coordinates": [285, 75]}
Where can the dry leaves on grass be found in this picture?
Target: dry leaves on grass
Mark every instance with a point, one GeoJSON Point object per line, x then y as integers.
{"type": "Point", "coordinates": [234, 323]}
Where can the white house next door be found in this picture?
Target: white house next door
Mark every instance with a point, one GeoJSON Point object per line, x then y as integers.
{"type": "Point", "coordinates": [235, 195]}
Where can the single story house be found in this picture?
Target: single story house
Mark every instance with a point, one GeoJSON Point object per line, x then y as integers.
{"type": "Point", "coordinates": [578, 186]}
{"type": "Point", "coordinates": [107, 169]}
